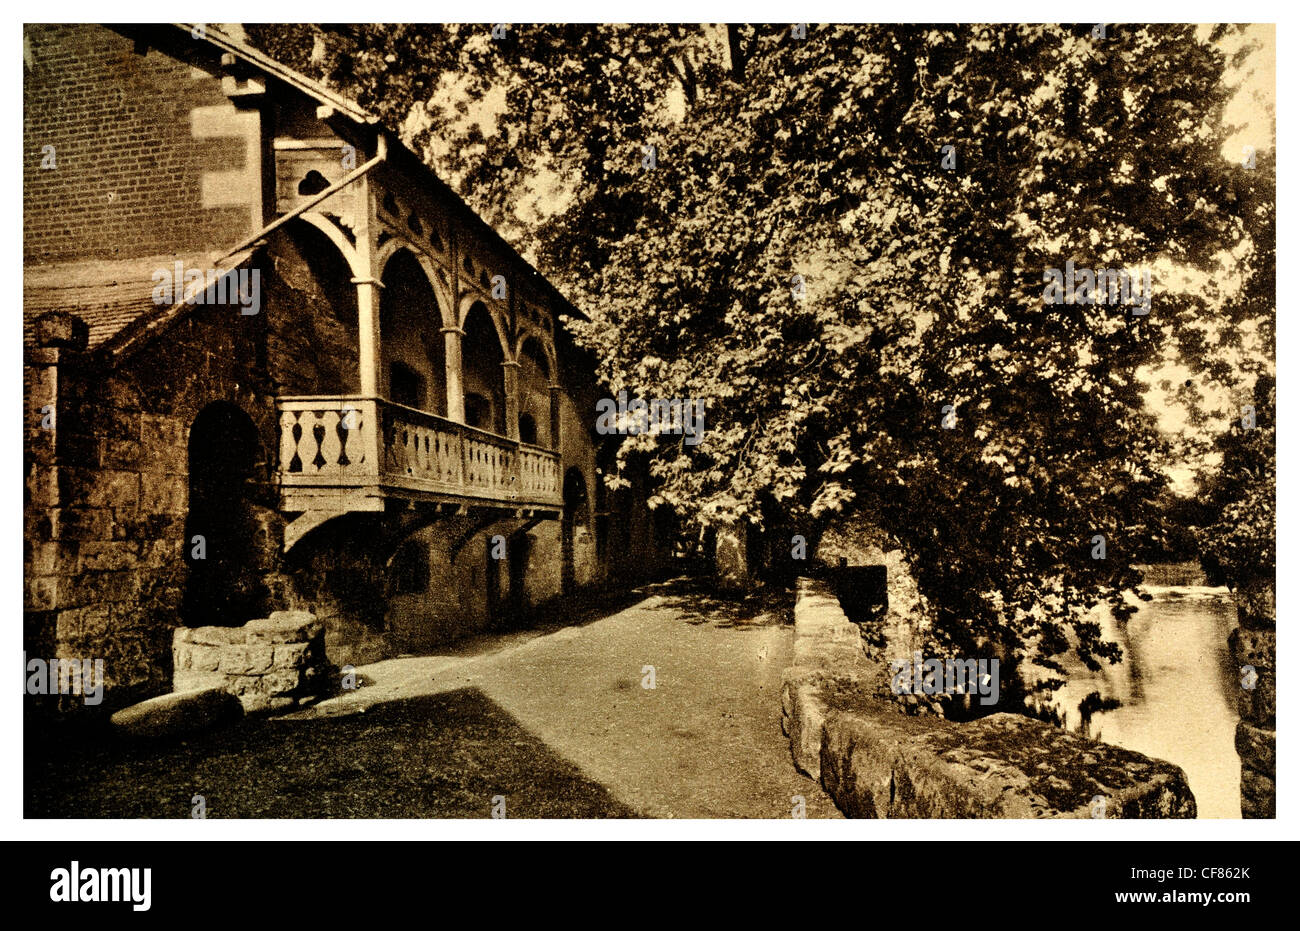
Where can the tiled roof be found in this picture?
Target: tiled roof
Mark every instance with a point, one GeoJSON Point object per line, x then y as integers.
{"type": "Point", "coordinates": [107, 294]}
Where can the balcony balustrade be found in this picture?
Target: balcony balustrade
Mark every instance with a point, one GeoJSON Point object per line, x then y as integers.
{"type": "Point", "coordinates": [342, 453]}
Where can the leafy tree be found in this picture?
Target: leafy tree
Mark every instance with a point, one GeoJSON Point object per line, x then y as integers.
{"type": "Point", "coordinates": [912, 374]}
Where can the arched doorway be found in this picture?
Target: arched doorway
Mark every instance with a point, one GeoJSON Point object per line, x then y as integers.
{"type": "Point", "coordinates": [576, 517]}
{"type": "Point", "coordinates": [223, 540]}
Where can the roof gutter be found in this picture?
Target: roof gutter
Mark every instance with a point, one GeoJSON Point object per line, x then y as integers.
{"type": "Point", "coordinates": [381, 155]}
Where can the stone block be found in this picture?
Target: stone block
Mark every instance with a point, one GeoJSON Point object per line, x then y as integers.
{"type": "Point", "coordinates": [118, 453]}
{"type": "Point", "coordinates": [163, 494]}
{"type": "Point", "coordinates": [802, 717]}
{"type": "Point", "coordinates": [875, 762]}
{"type": "Point", "coordinates": [246, 660]}
{"type": "Point", "coordinates": [113, 489]}
{"type": "Point", "coordinates": [1257, 747]}
{"type": "Point", "coordinates": [41, 593]}
{"type": "Point", "coordinates": [203, 658]}
{"type": "Point", "coordinates": [117, 555]}
{"type": "Point", "coordinates": [107, 586]}
{"type": "Point", "coordinates": [178, 713]}
{"type": "Point", "coordinates": [1256, 648]}
{"type": "Point", "coordinates": [184, 680]}
{"type": "Point", "coordinates": [245, 685]}
{"type": "Point", "coordinates": [85, 523]}
{"type": "Point", "coordinates": [58, 329]}
{"type": "Point", "coordinates": [879, 764]}
{"type": "Point", "coordinates": [1258, 795]}
{"type": "Point", "coordinates": [284, 627]}
{"type": "Point", "coordinates": [75, 623]}
{"type": "Point", "coordinates": [262, 703]}
{"type": "Point", "coordinates": [209, 636]}
{"type": "Point", "coordinates": [1258, 706]}
{"type": "Point", "coordinates": [282, 682]}
{"type": "Point", "coordinates": [42, 559]}
{"type": "Point", "coordinates": [293, 655]}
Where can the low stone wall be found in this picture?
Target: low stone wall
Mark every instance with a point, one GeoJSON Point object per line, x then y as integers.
{"type": "Point", "coordinates": [1254, 652]}
{"type": "Point", "coordinates": [269, 664]}
{"type": "Point", "coordinates": [877, 761]}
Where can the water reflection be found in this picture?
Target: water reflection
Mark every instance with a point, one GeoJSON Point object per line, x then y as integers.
{"type": "Point", "coordinates": [1178, 689]}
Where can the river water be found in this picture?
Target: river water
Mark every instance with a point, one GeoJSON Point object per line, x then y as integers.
{"type": "Point", "coordinates": [1178, 689]}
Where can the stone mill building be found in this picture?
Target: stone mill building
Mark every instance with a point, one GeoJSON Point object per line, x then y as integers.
{"type": "Point", "coordinates": [271, 362]}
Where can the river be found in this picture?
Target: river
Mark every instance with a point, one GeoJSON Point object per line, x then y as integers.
{"type": "Point", "coordinates": [1177, 685]}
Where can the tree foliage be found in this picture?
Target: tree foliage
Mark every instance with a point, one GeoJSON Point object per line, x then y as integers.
{"type": "Point", "coordinates": [921, 285]}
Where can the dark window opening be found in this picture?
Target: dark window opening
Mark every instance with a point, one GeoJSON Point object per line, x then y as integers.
{"type": "Point", "coordinates": [527, 429]}
{"type": "Point", "coordinates": [410, 568]}
{"type": "Point", "coordinates": [478, 411]}
{"type": "Point", "coordinates": [313, 183]}
{"type": "Point", "coordinates": [406, 386]}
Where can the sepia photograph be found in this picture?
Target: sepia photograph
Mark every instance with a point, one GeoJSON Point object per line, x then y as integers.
{"type": "Point", "coordinates": [584, 421]}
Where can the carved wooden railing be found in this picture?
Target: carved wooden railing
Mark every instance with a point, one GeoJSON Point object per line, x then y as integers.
{"type": "Point", "coordinates": [332, 447]}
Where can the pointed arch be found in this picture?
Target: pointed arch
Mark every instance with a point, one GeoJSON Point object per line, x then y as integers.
{"type": "Point", "coordinates": [397, 243]}
{"type": "Point", "coordinates": [468, 302]}
{"type": "Point", "coordinates": [337, 237]}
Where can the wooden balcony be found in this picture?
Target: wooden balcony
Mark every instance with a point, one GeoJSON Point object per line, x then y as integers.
{"type": "Point", "coordinates": [343, 453]}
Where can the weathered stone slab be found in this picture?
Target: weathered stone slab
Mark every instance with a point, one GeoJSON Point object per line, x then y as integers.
{"type": "Point", "coordinates": [178, 713]}
{"type": "Point", "coordinates": [803, 714]}
{"type": "Point", "coordinates": [877, 763]}
{"type": "Point", "coordinates": [284, 627]}
{"type": "Point", "coordinates": [209, 636]}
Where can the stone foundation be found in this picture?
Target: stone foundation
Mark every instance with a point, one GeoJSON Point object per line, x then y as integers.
{"type": "Point", "coordinates": [269, 664]}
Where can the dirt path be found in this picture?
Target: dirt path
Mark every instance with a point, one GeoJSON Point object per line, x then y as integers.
{"type": "Point", "coordinates": [705, 742]}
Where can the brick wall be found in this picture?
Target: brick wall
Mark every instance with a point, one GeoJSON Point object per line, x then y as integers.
{"type": "Point", "coordinates": [150, 156]}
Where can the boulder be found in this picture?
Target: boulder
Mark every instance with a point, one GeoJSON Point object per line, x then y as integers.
{"type": "Point", "coordinates": [178, 713]}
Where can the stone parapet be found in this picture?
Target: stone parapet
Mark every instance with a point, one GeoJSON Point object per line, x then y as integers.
{"type": "Point", "coordinates": [875, 761]}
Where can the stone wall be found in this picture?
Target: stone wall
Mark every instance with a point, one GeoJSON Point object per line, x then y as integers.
{"type": "Point", "coordinates": [877, 761]}
{"type": "Point", "coordinates": [269, 664]}
{"type": "Point", "coordinates": [107, 511]}
{"type": "Point", "coordinates": [1254, 644]}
